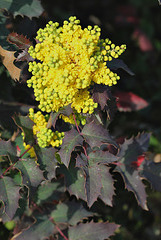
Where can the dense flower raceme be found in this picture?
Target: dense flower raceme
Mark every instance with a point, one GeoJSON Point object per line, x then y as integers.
{"type": "Point", "coordinates": [69, 60]}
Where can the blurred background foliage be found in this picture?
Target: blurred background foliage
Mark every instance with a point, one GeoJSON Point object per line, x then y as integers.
{"type": "Point", "coordinates": [134, 23]}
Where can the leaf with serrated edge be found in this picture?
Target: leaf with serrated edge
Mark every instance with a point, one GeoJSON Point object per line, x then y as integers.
{"type": "Point", "coordinates": [96, 135]}
{"type": "Point", "coordinates": [129, 152]}
{"type": "Point", "coordinates": [26, 126]}
{"type": "Point", "coordinates": [8, 58]}
{"type": "Point", "coordinates": [101, 157]}
{"type": "Point", "coordinates": [92, 231]}
{"type": "Point", "coordinates": [9, 195]}
{"type": "Point", "coordinates": [107, 190]}
{"type": "Point", "coordinates": [74, 181]}
{"type": "Point", "coordinates": [31, 174]}
{"type": "Point", "coordinates": [19, 40]}
{"type": "Point", "coordinates": [8, 148]}
{"type": "Point", "coordinates": [71, 140]}
{"type": "Point", "coordinates": [152, 172]}
{"type": "Point", "coordinates": [47, 160]}
{"type": "Point", "coordinates": [40, 230]}
{"type": "Point", "coordinates": [70, 212]}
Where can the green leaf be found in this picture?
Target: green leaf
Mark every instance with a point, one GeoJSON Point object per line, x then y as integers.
{"type": "Point", "coordinates": [96, 135]}
{"type": "Point", "coordinates": [71, 140]}
{"type": "Point", "coordinates": [40, 230]}
{"type": "Point", "coordinates": [47, 160]}
{"type": "Point", "coordinates": [129, 151]}
{"type": "Point", "coordinates": [70, 212]}
{"type": "Point", "coordinates": [26, 126]}
{"type": "Point", "coordinates": [4, 32]}
{"type": "Point", "coordinates": [31, 174]}
{"type": "Point", "coordinates": [8, 148]}
{"type": "Point", "coordinates": [9, 195]}
{"type": "Point", "coordinates": [30, 8]}
{"type": "Point", "coordinates": [92, 231]}
{"type": "Point", "coordinates": [74, 180]}
{"type": "Point", "coordinates": [49, 191]}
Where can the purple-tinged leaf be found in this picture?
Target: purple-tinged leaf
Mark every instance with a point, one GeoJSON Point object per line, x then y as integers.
{"type": "Point", "coordinates": [101, 94]}
{"type": "Point", "coordinates": [47, 160]}
{"type": "Point", "coordinates": [40, 230]}
{"type": "Point", "coordinates": [74, 181]}
{"type": "Point", "coordinates": [152, 172]}
{"type": "Point", "coordinates": [24, 56]}
{"type": "Point", "coordinates": [107, 190]}
{"type": "Point", "coordinates": [19, 40]}
{"type": "Point", "coordinates": [92, 231]}
{"type": "Point", "coordinates": [70, 213]}
{"type": "Point", "coordinates": [129, 152]}
{"type": "Point", "coordinates": [96, 135]}
{"type": "Point", "coordinates": [50, 191]}
{"type": "Point", "coordinates": [118, 63]}
{"type": "Point", "coordinates": [9, 195]}
{"type": "Point", "coordinates": [31, 174]}
{"type": "Point", "coordinates": [104, 157]}
{"type": "Point", "coordinates": [71, 140]}
{"type": "Point", "coordinates": [8, 148]}
{"type": "Point", "coordinates": [26, 125]}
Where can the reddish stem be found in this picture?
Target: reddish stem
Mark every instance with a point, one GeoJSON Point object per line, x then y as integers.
{"type": "Point", "coordinates": [11, 166]}
{"type": "Point", "coordinates": [59, 230]}
{"type": "Point", "coordinates": [85, 152]}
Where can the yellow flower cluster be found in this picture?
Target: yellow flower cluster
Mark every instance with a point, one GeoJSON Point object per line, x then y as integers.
{"type": "Point", "coordinates": [45, 136]}
{"type": "Point", "coordinates": [69, 60]}
{"type": "Point", "coordinates": [78, 117]}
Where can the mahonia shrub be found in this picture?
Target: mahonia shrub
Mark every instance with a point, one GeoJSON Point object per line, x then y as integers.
{"type": "Point", "coordinates": [64, 148]}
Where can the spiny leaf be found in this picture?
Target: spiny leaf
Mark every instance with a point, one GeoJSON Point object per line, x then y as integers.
{"type": "Point", "coordinates": [47, 160]}
{"type": "Point", "coordinates": [24, 56]}
{"type": "Point", "coordinates": [8, 58]}
{"type": "Point", "coordinates": [26, 125]}
{"type": "Point", "coordinates": [152, 172]}
{"type": "Point", "coordinates": [118, 63]}
{"type": "Point", "coordinates": [70, 212]}
{"type": "Point", "coordinates": [74, 180]}
{"type": "Point", "coordinates": [29, 8]}
{"type": "Point", "coordinates": [104, 157]}
{"type": "Point", "coordinates": [19, 40]}
{"type": "Point", "coordinates": [107, 190]}
{"type": "Point", "coordinates": [9, 195]}
{"type": "Point", "coordinates": [130, 150]}
{"type": "Point", "coordinates": [96, 135]}
{"type": "Point", "coordinates": [49, 191]}
{"type": "Point", "coordinates": [101, 94]}
{"type": "Point", "coordinates": [71, 140]}
{"type": "Point", "coordinates": [8, 148]}
{"type": "Point", "coordinates": [31, 174]}
{"type": "Point", "coordinates": [40, 230]}
{"type": "Point", "coordinates": [92, 231]}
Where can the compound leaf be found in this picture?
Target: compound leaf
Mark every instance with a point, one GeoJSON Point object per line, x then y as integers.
{"type": "Point", "coordinates": [31, 174]}
{"type": "Point", "coordinates": [96, 135]}
{"type": "Point", "coordinates": [71, 140]}
{"type": "Point", "coordinates": [92, 231]}
{"type": "Point", "coordinates": [9, 195]}
{"type": "Point", "coordinates": [70, 212]}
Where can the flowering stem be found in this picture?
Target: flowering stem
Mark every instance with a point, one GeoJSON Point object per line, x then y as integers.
{"type": "Point", "coordinates": [11, 166]}
{"type": "Point", "coordinates": [59, 230]}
